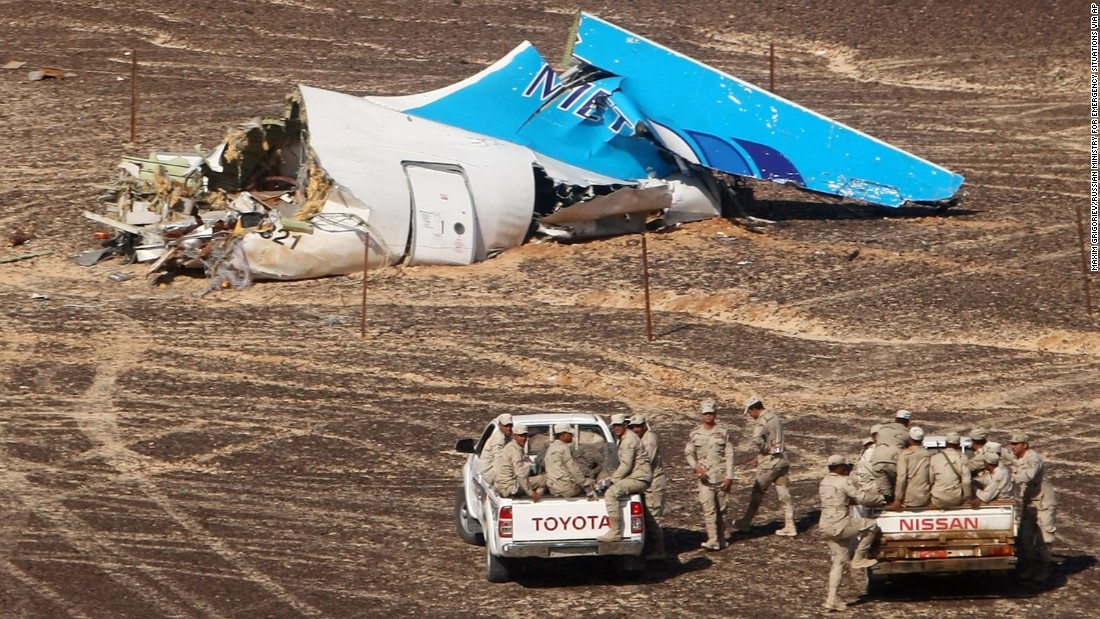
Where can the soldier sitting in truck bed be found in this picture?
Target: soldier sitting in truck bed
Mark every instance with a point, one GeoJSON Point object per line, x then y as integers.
{"type": "Point", "coordinates": [513, 469]}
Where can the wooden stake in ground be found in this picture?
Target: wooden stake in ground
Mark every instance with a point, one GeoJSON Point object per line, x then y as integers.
{"type": "Point", "coordinates": [1084, 261]}
{"type": "Point", "coordinates": [133, 96]}
{"type": "Point", "coordinates": [366, 261]}
{"type": "Point", "coordinates": [771, 48]}
{"type": "Point", "coordinates": [645, 284]}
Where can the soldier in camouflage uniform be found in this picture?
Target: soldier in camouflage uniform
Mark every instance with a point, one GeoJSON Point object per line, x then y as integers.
{"type": "Point", "coordinates": [709, 453]}
{"type": "Point", "coordinates": [493, 446]}
{"type": "Point", "coordinates": [631, 477]}
{"type": "Point", "coordinates": [838, 527]}
{"type": "Point", "coordinates": [995, 482]}
{"type": "Point", "coordinates": [564, 476]}
{"type": "Point", "coordinates": [513, 468]}
{"type": "Point", "coordinates": [655, 494]}
{"type": "Point", "coordinates": [978, 444]}
{"type": "Point", "coordinates": [913, 487]}
{"type": "Point", "coordinates": [1037, 530]}
{"type": "Point", "coordinates": [772, 467]}
{"type": "Point", "coordinates": [896, 432]}
{"type": "Point", "coordinates": [949, 475]}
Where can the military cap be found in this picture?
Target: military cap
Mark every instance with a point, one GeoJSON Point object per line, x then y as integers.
{"type": "Point", "coordinates": [868, 440]}
{"type": "Point", "coordinates": [979, 434]}
{"type": "Point", "coordinates": [562, 427]}
{"type": "Point", "coordinates": [903, 414]}
{"type": "Point", "coordinates": [916, 433]}
{"type": "Point", "coordinates": [953, 438]}
{"type": "Point", "coordinates": [618, 419]}
{"type": "Point", "coordinates": [1019, 437]}
{"type": "Point", "coordinates": [753, 400]}
{"type": "Point", "coordinates": [520, 429]}
{"type": "Point", "coordinates": [993, 446]}
{"type": "Point", "coordinates": [875, 428]}
{"type": "Point", "coordinates": [708, 406]}
{"type": "Point", "coordinates": [504, 419]}
{"type": "Point", "coordinates": [836, 460]}
{"type": "Point", "coordinates": [637, 420]}
{"type": "Point", "coordinates": [991, 457]}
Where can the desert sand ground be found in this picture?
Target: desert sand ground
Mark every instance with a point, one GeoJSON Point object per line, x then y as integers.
{"type": "Point", "coordinates": [248, 454]}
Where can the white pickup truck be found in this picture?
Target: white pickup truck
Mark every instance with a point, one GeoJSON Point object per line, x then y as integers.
{"type": "Point", "coordinates": [515, 528]}
{"type": "Point", "coordinates": [931, 540]}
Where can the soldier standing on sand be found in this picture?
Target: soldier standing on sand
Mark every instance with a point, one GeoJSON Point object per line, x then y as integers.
{"type": "Point", "coordinates": [564, 477]}
{"type": "Point", "coordinates": [493, 446]}
{"type": "Point", "coordinates": [709, 453]}
{"type": "Point", "coordinates": [838, 527]}
{"type": "Point", "coordinates": [655, 494]}
{"type": "Point", "coordinates": [771, 465]}
{"type": "Point", "coordinates": [949, 475]}
{"type": "Point", "coordinates": [1037, 530]}
{"type": "Point", "coordinates": [631, 477]}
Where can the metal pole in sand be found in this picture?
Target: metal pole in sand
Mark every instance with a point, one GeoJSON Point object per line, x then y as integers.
{"type": "Point", "coordinates": [771, 48]}
{"type": "Point", "coordinates": [366, 261]}
{"type": "Point", "coordinates": [133, 96]}
{"type": "Point", "coordinates": [645, 283]}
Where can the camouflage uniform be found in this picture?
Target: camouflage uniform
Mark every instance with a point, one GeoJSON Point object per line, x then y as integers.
{"type": "Point", "coordinates": [950, 478]}
{"type": "Point", "coordinates": [1037, 530]}
{"type": "Point", "coordinates": [913, 486]}
{"type": "Point", "coordinates": [884, 468]}
{"type": "Point", "coordinates": [633, 476]}
{"type": "Point", "coordinates": [771, 468]}
{"type": "Point", "coordinates": [655, 495]}
{"type": "Point", "coordinates": [894, 433]}
{"type": "Point", "coordinates": [512, 472]}
{"type": "Point", "coordinates": [868, 491]}
{"type": "Point", "coordinates": [564, 477]}
{"type": "Point", "coordinates": [838, 527]}
{"type": "Point", "coordinates": [996, 485]}
{"type": "Point", "coordinates": [489, 453]}
{"type": "Point", "coordinates": [712, 450]}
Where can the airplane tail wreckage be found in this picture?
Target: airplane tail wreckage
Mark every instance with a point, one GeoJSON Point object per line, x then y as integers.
{"type": "Point", "coordinates": [631, 134]}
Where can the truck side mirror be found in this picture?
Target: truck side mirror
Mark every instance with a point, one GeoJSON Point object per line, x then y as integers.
{"type": "Point", "coordinates": [465, 445]}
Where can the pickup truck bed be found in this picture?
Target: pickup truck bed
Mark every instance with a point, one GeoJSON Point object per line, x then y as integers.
{"type": "Point", "coordinates": [959, 539]}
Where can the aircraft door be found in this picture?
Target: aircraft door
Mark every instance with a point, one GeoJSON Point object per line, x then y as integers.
{"type": "Point", "coordinates": [444, 221]}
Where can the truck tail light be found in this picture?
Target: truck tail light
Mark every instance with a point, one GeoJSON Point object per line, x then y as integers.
{"type": "Point", "coordinates": [1005, 550]}
{"type": "Point", "coordinates": [637, 518]}
{"type": "Point", "coordinates": [504, 521]}
{"type": "Point", "coordinates": [939, 553]}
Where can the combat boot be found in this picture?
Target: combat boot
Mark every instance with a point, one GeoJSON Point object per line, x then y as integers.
{"type": "Point", "coordinates": [788, 530]}
{"type": "Point", "coordinates": [861, 563]}
{"type": "Point", "coordinates": [832, 604]}
{"type": "Point", "coordinates": [615, 533]}
{"type": "Point", "coordinates": [712, 542]}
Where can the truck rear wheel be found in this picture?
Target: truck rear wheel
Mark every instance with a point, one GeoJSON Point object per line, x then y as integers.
{"type": "Point", "coordinates": [465, 525]}
{"type": "Point", "coordinates": [876, 586]}
{"type": "Point", "coordinates": [497, 569]}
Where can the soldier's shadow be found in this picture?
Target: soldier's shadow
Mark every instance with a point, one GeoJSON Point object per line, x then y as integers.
{"type": "Point", "coordinates": [768, 529]}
